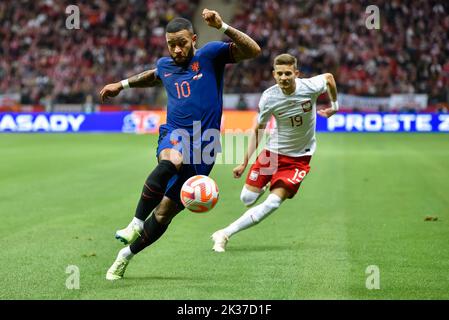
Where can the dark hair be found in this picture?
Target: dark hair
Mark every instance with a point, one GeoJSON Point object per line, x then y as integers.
{"type": "Point", "coordinates": [285, 59]}
{"type": "Point", "coordinates": [178, 24]}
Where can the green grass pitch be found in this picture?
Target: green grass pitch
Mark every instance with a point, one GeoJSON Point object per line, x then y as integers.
{"type": "Point", "coordinates": [364, 203]}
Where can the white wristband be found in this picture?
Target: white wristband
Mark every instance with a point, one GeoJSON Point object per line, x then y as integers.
{"type": "Point", "coordinates": [125, 84]}
{"type": "Point", "coordinates": [334, 105]}
{"type": "Point", "coordinates": [224, 27]}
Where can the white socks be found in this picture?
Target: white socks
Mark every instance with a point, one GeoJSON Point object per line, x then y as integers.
{"type": "Point", "coordinates": [138, 223]}
{"type": "Point", "coordinates": [248, 197]}
{"type": "Point", "coordinates": [254, 215]}
{"type": "Point", "coordinates": [126, 253]}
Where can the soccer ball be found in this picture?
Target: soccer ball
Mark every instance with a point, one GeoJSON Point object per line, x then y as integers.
{"type": "Point", "coordinates": [199, 193]}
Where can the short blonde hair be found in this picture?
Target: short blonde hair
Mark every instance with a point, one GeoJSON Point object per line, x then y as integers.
{"type": "Point", "coordinates": [285, 59]}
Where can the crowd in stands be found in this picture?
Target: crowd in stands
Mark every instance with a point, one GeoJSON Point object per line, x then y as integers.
{"type": "Point", "coordinates": [408, 54]}
{"type": "Point", "coordinates": [41, 58]}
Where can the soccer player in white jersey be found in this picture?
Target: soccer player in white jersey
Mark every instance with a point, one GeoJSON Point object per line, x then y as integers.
{"type": "Point", "coordinates": [284, 162]}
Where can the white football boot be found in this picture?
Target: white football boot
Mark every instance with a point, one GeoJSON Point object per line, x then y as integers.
{"type": "Point", "coordinates": [118, 268]}
{"type": "Point", "coordinates": [128, 235]}
{"type": "Point", "coordinates": [220, 240]}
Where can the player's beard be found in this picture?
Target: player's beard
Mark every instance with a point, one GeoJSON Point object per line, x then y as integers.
{"type": "Point", "coordinates": [187, 59]}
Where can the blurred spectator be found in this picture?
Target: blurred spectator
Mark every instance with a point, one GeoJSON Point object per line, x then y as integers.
{"type": "Point", "coordinates": [442, 109]}
{"type": "Point", "coordinates": [39, 56]}
{"type": "Point", "coordinates": [88, 104]}
{"type": "Point", "coordinates": [409, 54]}
{"type": "Point", "coordinates": [242, 105]}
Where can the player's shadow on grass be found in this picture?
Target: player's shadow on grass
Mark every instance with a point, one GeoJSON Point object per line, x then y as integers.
{"type": "Point", "coordinates": [162, 278]}
{"type": "Point", "coordinates": [249, 248]}
{"type": "Point", "coordinates": [131, 281]}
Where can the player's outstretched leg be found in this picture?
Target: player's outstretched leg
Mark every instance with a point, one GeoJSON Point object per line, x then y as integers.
{"type": "Point", "coordinates": [251, 217]}
{"type": "Point", "coordinates": [152, 194]}
{"type": "Point", "coordinates": [156, 225]}
{"type": "Point", "coordinates": [152, 231]}
{"type": "Point", "coordinates": [154, 228]}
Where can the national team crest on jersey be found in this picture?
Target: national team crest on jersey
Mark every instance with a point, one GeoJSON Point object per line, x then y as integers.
{"type": "Point", "coordinates": [306, 106]}
{"type": "Point", "coordinates": [195, 66]}
{"type": "Point", "coordinates": [253, 175]}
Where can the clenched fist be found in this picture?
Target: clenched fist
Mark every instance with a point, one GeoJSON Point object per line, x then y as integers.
{"type": "Point", "coordinates": [212, 18]}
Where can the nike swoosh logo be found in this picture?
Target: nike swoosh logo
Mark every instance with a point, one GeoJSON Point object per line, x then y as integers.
{"type": "Point", "coordinates": [167, 74]}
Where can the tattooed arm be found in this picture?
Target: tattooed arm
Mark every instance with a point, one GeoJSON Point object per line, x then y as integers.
{"type": "Point", "coordinates": [145, 79]}
{"type": "Point", "coordinates": [142, 80]}
{"type": "Point", "coordinates": [243, 47]}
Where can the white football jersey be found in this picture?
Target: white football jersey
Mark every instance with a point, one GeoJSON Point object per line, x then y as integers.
{"type": "Point", "coordinates": [295, 116]}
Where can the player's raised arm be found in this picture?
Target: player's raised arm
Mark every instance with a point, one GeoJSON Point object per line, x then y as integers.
{"type": "Point", "coordinates": [145, 79]}
{"type": "Point", "coordinates": [243, 47]}
{"type": "Point", "coordinates": [332, 93]}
